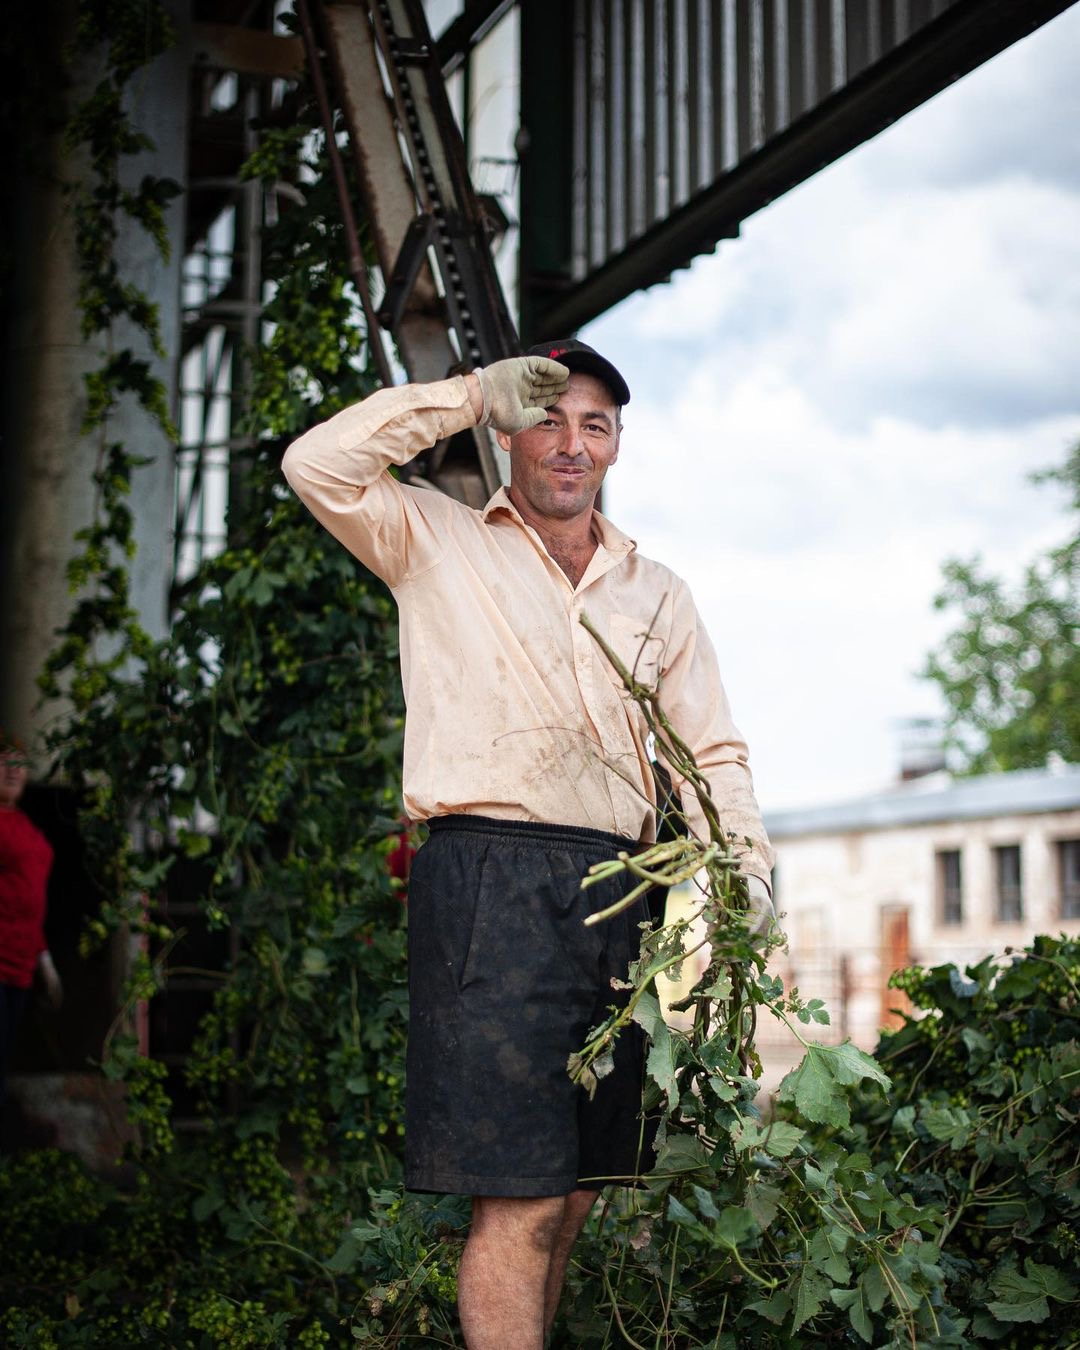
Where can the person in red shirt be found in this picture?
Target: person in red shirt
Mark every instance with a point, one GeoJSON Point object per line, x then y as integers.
{"type": "Point", "coordinates": [25, 862]}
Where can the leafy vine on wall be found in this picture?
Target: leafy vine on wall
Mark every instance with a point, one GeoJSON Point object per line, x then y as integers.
{"type": "Point", "coordinates": [249, 762]}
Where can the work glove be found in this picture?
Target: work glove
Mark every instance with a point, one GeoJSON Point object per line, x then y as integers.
{"type": "Point", "coordinates": [761, 915]}
{"type": "Point", "coordinates": [517, 391]}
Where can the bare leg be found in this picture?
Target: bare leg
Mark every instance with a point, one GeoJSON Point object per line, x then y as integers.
{"type": "Point", "coordinates": [504, 1271]}
{"type": "Point", "coordinates": [575, 1212]}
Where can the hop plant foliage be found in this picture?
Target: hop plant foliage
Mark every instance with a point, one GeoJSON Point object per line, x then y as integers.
{"type": "Point", "coordinates": [248, 760]}
{"type": "Point", "coordinates": [926, 1196]}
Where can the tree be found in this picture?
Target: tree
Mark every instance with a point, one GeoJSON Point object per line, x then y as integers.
{"type": "Point", "coordinates": [1010, 671]}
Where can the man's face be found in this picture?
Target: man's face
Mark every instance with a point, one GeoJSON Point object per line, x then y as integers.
{"type": "Point", "coordinates": [557, 467]}
{"type": "Point", "coordinates": [12, 776]}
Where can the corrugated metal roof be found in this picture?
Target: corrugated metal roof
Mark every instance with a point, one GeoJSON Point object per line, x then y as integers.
{"type": "Point", "coordinates": [937, 798]}
{"type": "Point", "coordinates": [654, 127]}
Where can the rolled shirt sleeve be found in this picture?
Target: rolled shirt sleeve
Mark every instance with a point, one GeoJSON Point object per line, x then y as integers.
{"type": "Point", "coordinates": [340, 470]}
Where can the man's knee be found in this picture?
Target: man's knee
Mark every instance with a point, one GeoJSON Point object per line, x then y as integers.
{"type": "Point", "coordinates": [536, 1221]}
{"type": "Point", "coordinates": [578, 1205]}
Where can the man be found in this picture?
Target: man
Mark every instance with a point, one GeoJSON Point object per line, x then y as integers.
{"type": "Point", "coordinates": [529, 762]}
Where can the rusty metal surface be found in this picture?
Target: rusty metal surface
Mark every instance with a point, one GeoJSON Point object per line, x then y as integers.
{"type": "Point", "coordinates": [389, 194]}
{"type": "Point", "coordinates": [357, 264]}
{"type": "Point", "coordinates": [409, 159]}
{"type": "Point", "coordinates": [248, 51]}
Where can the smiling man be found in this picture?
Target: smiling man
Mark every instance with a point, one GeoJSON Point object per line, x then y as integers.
{"type": "Point", "coordinates": [529, 763]}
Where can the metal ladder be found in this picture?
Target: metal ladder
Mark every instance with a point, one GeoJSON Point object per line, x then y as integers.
{"type": "Point", "coordinates": [442, 305]}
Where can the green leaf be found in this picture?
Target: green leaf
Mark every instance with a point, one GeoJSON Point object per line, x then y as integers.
{"type": "Point", "coordinates": [810, 1291]}
{"type": "Point", "coordinates": [261, 1120]}
{"type": "Point", "coordinates": [815, 1085]}
{"type": "Point", "coordinates": [903, 1122]}
{"type": "Point", "coordinates": [1023, 1298]}
{"type": "Point", "coordinates": [681, 1153]}
{"type": "Point", "coordinates": [194, 845]}
{"type": "Point", "coordinates": [775, 1308]}
{"type": "Point", "coordinates": [977, 1044]}
{"type": "Point", "coordinates": [950, 1124]}
{"type": "Point", "coordinates": [763, 1202]}
{"type": "Point", "coordinates": [721, 1088]}
{"type": "Point", "coordinates": [228, 723]}
{"type": "Point", "coordinates": [778, 1138]}
{"type": "Point", "coordinates": [345, 1258]}
{"type": "Point", "coordinates": [827, 1253]}
{"type": "Point", "coordinates": [678, 1213]}
{"type": "Point", "coordinates": [818, 1177]}
{"type": "Point", "coordinates": [851, 1065]}
{"type": "Point", "coordinates": [660, 1064]}
{"type": "Point", "coordinates": [314, 961]}
{"type": "Point", "coordinates": [852, 1300]}
{"type": "Point", "coordinates": [206, 1204]}
{"type": "Point", "coordinates": [648, 1015]}
{"type": "Point", "coordinates": [720, 987]}
{"type": "Point", "coordinates": [874, 1288]}
{"type": "Point", "coordinates": [705, 1202]}
{"type": "Point", "coordinates": [736, 1226]}
{"type": "Point", "coordinates": [812, 1087]}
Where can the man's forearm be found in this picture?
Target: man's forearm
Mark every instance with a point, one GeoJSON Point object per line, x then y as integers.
{"type": "Point", "coordinates": [339, 470]}
{"type": "Point", "coordinates": [355, 446]}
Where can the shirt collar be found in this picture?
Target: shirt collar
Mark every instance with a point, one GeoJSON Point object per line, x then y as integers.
{"type": "Point", "coordinates": [609, 535]}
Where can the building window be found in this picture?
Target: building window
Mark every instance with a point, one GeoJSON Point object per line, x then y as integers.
{"type": "Point", "coordinates": [1010, 903]}
{"type": "Point", "coordinates": [950, 887]}
{"type": "Point", "coordinates": [1069, 874]}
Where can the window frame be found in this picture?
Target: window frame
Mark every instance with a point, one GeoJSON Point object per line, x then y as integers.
{"type": "Point", "coordinates": [1068, 879]}
{"type": "Point", "coordinates": [1008, 883]}
{"type": "Point", "coordinates": [950, 893]}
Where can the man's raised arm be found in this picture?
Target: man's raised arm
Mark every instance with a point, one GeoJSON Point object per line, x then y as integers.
{"type": "Point", "coordinates": [340, 471]}
{"type": "Point", "coordinates": [340, 468]}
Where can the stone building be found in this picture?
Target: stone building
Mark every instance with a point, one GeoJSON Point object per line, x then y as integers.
{"type": "Point", "coordinates": [934, 870]}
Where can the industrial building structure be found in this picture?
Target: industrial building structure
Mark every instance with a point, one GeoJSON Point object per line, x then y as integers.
{"type": "Point", "coordinates": [630, 138]}
{"type": "Point", "coordinates": [933, 871]}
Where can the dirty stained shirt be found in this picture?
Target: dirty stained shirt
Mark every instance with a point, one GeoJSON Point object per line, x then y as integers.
{"type": "Point", "coordinates": [513, 711]}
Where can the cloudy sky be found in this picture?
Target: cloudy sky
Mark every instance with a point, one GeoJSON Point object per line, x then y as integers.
{"type": "Point", "coordinates": [851, 392]}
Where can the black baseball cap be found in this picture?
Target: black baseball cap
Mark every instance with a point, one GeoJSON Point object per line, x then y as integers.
{"type": "Point", "coordinates": [577, 355]}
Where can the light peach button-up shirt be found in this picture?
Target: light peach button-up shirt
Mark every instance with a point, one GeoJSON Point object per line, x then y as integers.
{"type": "Point", "coordinates": [512, 709]}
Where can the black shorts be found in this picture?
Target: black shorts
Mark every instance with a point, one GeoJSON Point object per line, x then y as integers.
{"type": "Point", "coordinates": [505, 981]}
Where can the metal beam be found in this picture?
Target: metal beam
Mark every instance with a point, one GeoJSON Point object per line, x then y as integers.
{"type": "Point", "coordinates": [470, 27]}
{"type": "Point", "coordinates": [410, 164]}
{"type": "Point", "coordinates": [965, 35]}
{"type": "Point", "coordinates": [248, 51]}
{"type": "Point", "coordinates": [389, 193]}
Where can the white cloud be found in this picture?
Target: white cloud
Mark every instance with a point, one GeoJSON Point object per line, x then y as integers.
{"type": "Point", "coordinates": [924, 303]}
{"type": "Point", "coordinates": [995, 122]}
{"type": "Point", "coordinates": [854, 391]}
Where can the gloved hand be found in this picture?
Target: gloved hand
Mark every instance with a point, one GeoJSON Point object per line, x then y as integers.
{"type": "Point", "coordinates": [761, 914]}
{"type": "Point", "coordinates": [518, 390]}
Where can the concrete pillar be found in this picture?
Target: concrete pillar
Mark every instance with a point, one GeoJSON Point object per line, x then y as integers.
{"type": "Point", "coordinates": [46, 465]}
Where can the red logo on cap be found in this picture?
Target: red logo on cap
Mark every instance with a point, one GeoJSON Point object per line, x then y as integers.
{"type": "Point", "coordinates": [557, 351]}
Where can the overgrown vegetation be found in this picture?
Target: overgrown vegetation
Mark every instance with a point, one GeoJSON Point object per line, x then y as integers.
{"type": "Point", "coordinates": [943, 1213]}
{"type": "Point", "coordinates": [252, 756]}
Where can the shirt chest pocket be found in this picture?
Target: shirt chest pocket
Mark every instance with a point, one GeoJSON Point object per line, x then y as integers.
{"type": "Point", "coordinates": [641, 652]}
